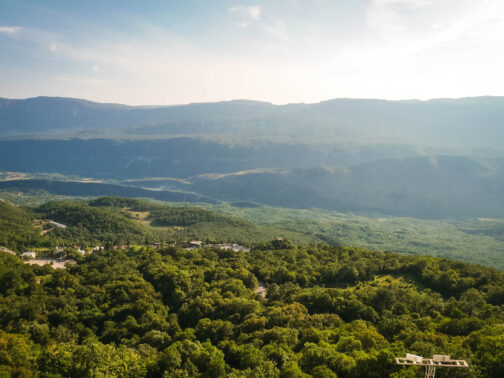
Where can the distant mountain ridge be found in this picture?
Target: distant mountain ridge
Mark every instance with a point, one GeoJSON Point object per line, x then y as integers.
{"type": "Point", "coordinates": [473, 121]}
{"type": "Point", "coordinates": [59, 113]}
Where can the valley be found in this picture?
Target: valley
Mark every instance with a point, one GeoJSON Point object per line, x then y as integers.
{"type": "Point", "coordinates": [245, 239]}
{"type": "Point", "coordinates": [251, 189]}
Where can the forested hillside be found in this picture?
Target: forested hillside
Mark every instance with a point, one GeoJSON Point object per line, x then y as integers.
{"type": "Point", "coordinates": [426, 187]}
{"type": "Point", "coordinates": [109, 221]}
{"type": "Point", "coordinates": [278, 174]}
{"type": "Point", "coordinates": [17, 228]}
{"type": "Point", "coordinates": [328, 312]}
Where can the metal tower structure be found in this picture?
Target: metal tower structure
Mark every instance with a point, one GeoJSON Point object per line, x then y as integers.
{"type": "Point", "coordinates": [437, 361]}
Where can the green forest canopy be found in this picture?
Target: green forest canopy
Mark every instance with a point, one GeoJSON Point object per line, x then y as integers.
{"type": "Point", "coordinates": [329, 311]}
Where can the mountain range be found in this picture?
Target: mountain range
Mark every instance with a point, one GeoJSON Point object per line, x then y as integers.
{"type": "Point", "coordinates": [470, 122]}
{"type": "Point", "coordinates": [437, 158]}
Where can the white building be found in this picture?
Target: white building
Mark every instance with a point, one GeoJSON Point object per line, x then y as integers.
{"type": "Point", "coordinates": [57, 225]}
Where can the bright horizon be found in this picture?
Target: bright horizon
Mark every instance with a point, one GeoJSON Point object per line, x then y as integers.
{"type": "Point", "coordinates": [287, 51]}
{"type": "Point", "coordinates": [253, 100]}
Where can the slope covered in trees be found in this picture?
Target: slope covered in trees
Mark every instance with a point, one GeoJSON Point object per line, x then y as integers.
{"type": "Point", "coordinates": [17, 228]}
{"type": "Point", "coordinates": [185, 223]}
{"type": "Point", "coordinates": [114, 220]}
{"type": "Point", "coordinates": [329, 311]}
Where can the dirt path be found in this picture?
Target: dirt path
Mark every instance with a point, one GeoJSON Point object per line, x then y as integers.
{"type": "Point", "coordinates": [7, 250]}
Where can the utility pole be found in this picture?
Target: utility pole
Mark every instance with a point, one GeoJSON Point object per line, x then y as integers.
{"type": "Point", "coordinates": [437, 361]}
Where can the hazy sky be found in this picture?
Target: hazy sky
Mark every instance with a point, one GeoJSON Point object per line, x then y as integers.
{"type": "Point", "coordinates": [172, 52]}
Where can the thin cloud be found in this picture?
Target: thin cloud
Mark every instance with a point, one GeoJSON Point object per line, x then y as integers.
{"type": "Point", "coordinates": [421, 24]}
{"type": "Point", "coordinates": [277, 29]}
{"type": "Point", "coordinates": [10, 29]}
{"type": "Point", "coordinates": [404, 49]}
{"type": "Point", "coordinates": [253, 12]}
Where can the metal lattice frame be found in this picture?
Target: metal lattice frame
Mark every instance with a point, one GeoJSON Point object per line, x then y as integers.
{"type": "Point", "coordinates": [431, 363]}
{"type": "Point", "coordinates": [430, 371]}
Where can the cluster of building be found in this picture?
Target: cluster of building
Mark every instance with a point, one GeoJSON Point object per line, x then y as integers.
{"type": "Point", "coordinates": [30, 257]}
{"type": "Point", "coordinates": [194, 244]}
{"type": "Point", "coordinates": [60, 260]}
{"type": "Point", "coordinates": [234, 247]}
{"type": "Point", "coordinates": [199, 244]}
{"type": "Point", "coordinates": [60, 253]}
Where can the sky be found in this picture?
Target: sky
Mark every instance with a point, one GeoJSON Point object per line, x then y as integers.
{"type": "Point", "coordinates": [162, 52]}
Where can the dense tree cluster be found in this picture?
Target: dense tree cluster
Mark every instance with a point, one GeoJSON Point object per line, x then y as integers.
{"type": "Point", "coordinates": [88, 224]}
{"type": "Point", "coordinates": [329, 311]}
{"type": "Point", "coordinates": [197, 223]}
{"type": "Point", "coordinates": [17, 229]}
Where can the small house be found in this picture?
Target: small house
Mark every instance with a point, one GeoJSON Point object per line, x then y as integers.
{"type": "Point", "coordinates": [29, 255]}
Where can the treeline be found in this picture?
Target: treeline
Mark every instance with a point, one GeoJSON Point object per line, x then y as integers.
{"type": "Point", "coordinates": [329, 311]}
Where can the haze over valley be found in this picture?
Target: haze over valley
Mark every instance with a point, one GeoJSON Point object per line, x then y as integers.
{"type": "Point", "coordinates": [434, 159]}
